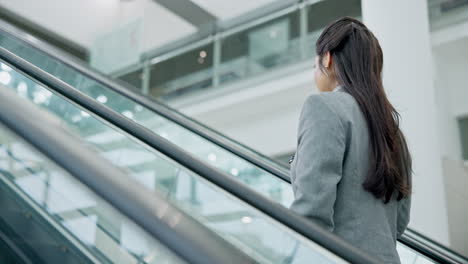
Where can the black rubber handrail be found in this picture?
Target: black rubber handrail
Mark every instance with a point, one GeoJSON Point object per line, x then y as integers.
{"type": "Point", "coordinates": [150, 210]}
{"type": "Point", "coordinates": [431, 248]}
{"type": "Point", "coordinates": [284, 216]}
{"type": "Point", "coordinates": [258, 159]}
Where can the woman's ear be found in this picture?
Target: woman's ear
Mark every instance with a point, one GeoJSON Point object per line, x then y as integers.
{"type": "Point", "coordinates": [327, 60]}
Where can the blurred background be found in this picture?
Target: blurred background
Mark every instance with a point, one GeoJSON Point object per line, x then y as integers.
{"type": "Point", "coordinates": [244, 69]}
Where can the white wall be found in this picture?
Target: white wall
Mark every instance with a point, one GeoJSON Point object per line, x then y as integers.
{"type": "Point", "coordinates": [262, 113]}
{"type": "Point", "coordinates": [409, 83]}
{"type": "Point", "coordinates": [456, 183]}
{"type": "Point", "coordinates": [451, 66]}
{"type": "Point", "coordinates": [452, 62]}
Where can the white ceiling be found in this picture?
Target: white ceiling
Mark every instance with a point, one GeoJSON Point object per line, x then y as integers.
{"type": "Point", "coordinates": [78, 21]}
{"type": "Point", "coordinates": [227, 9]}
{"type": "Point", "coordinates": [83, 21]}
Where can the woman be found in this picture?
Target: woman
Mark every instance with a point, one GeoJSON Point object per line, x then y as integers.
{"type": "Point", "coordinates": [352, 170]}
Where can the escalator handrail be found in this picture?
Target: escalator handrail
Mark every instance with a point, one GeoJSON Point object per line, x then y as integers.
{"type": "Point", "coordinates": [278, 212]}
{"type": "Point", "coordinates": [431, 248]}
{"type": "Point", "coordinates": [237, 148]}
{"type": "Point", "coordinates": [254, 157]}
{"type": "Point", "coordinates": [150, 210]}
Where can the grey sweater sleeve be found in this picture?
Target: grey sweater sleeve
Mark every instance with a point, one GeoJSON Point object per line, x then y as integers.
{"type": "Point", "coordinates": [317, 166]}
{"type": "Point", "coordinates": [404, 206]}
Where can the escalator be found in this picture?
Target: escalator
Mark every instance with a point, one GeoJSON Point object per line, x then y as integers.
{"type": "Point", "coordinates": [47, 177]}
{"type": "Point", "coordinates": [237, 195]}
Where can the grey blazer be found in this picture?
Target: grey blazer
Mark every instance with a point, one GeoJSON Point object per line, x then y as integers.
{"type": "Point", "coordinates": [327, 173]}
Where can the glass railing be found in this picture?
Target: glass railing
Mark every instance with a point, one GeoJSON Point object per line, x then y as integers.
{"type": "Point", "coordinates": [145, 208]}
{"type": "Point", "coordinates": [53, 218]}
{"type": "Point", "coordinates": [259, 236]}
{"type": "Point", "coordinates": [246, 172]}
{"type": "Point", "coordinates": [447, 13]}
{"type": "Point", "coordinates": [248, 50]}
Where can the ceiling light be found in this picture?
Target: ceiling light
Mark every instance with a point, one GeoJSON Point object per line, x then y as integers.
{"type": "Point", "coordinates": [203, 54]}
{"type": "Point", "coordinates": [84, 114]}
{"type": "Point", "coordinates": [234, 171]}
{"type": "Point", "coordinates": [5, 77]}
{"type": "Point", "coordinates": [76, 118]}
{"type": "Point", "coordinates": [102, 98]}
{"type": "Point", "coordinates": [212, 157]}
{"type": "Point", "coordinates": [164, 134]}
{"type": "Point", "coordinates": [22, 87]}
{"type": "Point", "coordinates": [5, 67]}
{"type": "Point", "coordinates": [138, 108]}
{"type": "Point", "coordinates": [246, 219]}
{"type": "Point", "coordinates": [128, 114]}
{"type": "Point", "coordinates": [41, 96]}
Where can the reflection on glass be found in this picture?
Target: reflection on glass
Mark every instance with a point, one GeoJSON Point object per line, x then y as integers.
{"type": "Point", "coordinates": [243, 226]}
{"type": "Point", "coordinates": [107, 234]}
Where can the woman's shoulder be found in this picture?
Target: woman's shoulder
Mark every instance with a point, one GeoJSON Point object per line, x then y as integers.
{"type": "Point", "coordinates": [317, 105]}
{"type": "Point", "coordinates": [339, 107]}
{"type": "Point", "coordinates": [319, 108]}
{"type": "Point", "coordinates": [337, 103]}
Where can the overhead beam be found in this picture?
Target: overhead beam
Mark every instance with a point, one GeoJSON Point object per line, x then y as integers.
{"type": "Point", "coordinates": [191, 12]}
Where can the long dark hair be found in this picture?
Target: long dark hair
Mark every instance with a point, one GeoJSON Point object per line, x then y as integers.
{"type": "Point", "coordinates": [358, 62]}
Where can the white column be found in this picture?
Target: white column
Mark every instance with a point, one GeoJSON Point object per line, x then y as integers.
{"type": "Point", "coordinates": [402, 28]}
